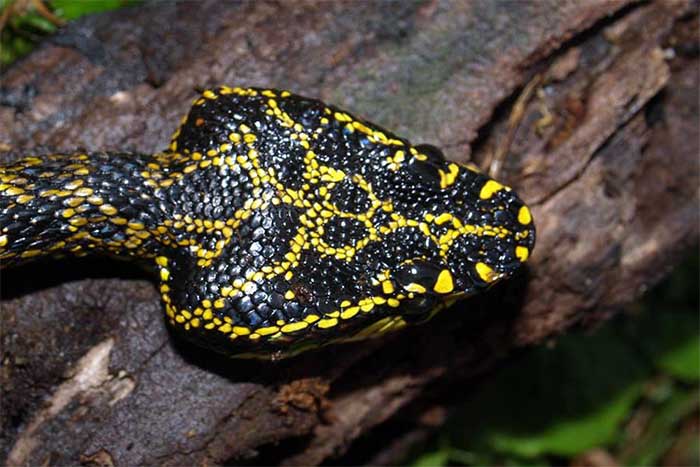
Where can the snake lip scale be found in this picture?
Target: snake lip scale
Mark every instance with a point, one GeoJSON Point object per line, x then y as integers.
{"type": "Point", "coordinates": [277, 223]}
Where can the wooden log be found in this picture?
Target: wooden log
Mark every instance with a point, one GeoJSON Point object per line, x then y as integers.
{"type": "Point", "coordinates": [588, 109]}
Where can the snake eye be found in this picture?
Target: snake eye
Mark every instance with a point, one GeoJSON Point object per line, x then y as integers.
{"type": "Point", "coordinates": [417, 274]}
{"type": "Point", "coordinates": [420, 276]}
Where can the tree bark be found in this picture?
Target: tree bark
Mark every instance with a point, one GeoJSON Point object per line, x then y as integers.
{"type": "Point", "coordinates": [588, 109]}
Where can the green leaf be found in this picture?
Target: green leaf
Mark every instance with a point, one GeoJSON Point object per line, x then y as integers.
{"type": "Point", "coordinates": [72, 9]}
{"type": "Point", "coordinates": [436, 458]}
{"type": "Point", "coordinates": [670, 339]}
{"type": "Point", "coordinates": [560, 401]}
{"type": "Point", "coordinates": [659, 433]}
{"type": "Point", "coordinates": [683, 360]}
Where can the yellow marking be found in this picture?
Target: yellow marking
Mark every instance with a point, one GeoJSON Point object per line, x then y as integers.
{"type": "Point", "coordinates": [442, 218]}
{"type": "Point", "coordinates": [267, 331]}
{"type": "Point", "coordinates": [524, 216]}
{"type": "Point", "coordinates": [350, 312]}
{"type": "Point", "coordinates": [73, 185]}
{"type": "Point", "coordinates": [522, 253]}
{"type": "Point", "coordinates": [23, 199]}
{"type": "Point", "coordinates": [74, 202]}
{"type": "Point", "coordinates": [68, 212]}
{"type": "Point", "coordinates": [3, 240]}
{"type": "Point", "coordinates": [108, 209]}
{"type": "Point", "coordinates": [30, 253]}
{"type": "Point", "coordinates": [387, 287]}
{"type": "Point", "coordinates": [489, 189]}
{"type": "Point", "coordinates": [162, 261]}
{"type": "Point", "coordinates": [327, 323]}
{"type": "Point", "coordinates": [289, 295]}
{"type": "Point", "coordinates": [84, 192]}
{"type": "Point", "coordinates": [241, 331]}
{"type": "Point", "coordinates": [444, 283]}
{"type": "Point", "coordinates": [447, 179]}
{"type": "Point", "coordinates": [13, 191]}
{"type": "Point", "coordinates": [164, 274]}
{"type": "Point", "coordinates": [78, 221]}
{"type": "Point", "coordinates": [485, 272]}
{"type": "Point", "coordinates": [292, 327]}
{"type": "Point", "coordinates": [413, 287]}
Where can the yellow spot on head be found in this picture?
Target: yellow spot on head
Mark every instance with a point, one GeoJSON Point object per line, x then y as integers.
{"type": "Point", "coordinates": [442, 218]}
{"type": "Point", "coordinates": [522, 253]}
{"type": "Point", "coordinates": [485, 272]}
{"type": "Point", "coordinates": [413, 287]}
{"type": "Point", "coordinates": [387, 287]}
{"type": "Point", "coordinates": [447, 179]}
{"type": "Point", "coordinates": [524, 216]}
{"type": "Point", "coordinates": [444, 282]}
{"type": "Point", "coordinates": [489, 188]}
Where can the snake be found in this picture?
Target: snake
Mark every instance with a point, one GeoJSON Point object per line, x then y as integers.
{"type": "Point", "coordinates": [275, 223]}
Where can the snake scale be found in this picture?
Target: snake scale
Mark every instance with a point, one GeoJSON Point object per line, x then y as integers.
{"type": "Point", "coordinates": [277, 223]}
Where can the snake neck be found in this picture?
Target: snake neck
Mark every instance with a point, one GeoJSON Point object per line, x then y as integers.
{"type": "Point", "coordinates": [78, 204]}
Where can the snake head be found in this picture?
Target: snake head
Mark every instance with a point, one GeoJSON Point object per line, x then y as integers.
{"type": "Point", "coordinates": [296, 224]}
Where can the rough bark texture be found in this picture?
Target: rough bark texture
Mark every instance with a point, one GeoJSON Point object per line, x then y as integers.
{"type": "Point", "coordinates": [589, 109]}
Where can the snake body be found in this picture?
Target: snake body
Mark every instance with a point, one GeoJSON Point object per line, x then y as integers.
{"type": "Point", "coordinates": [276, 222]}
